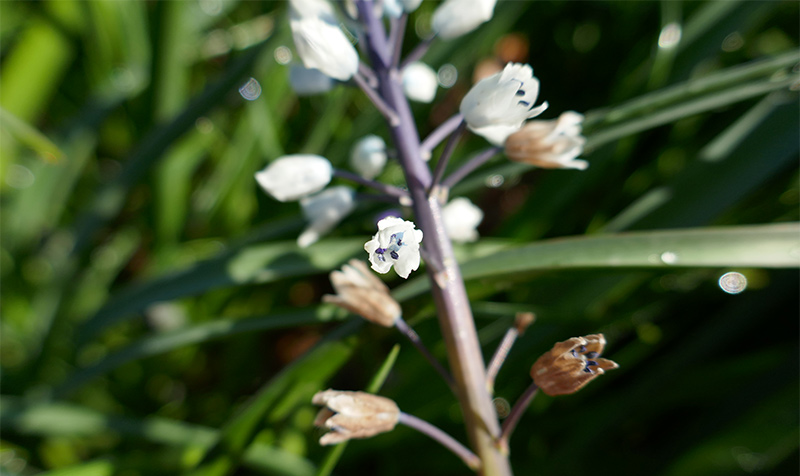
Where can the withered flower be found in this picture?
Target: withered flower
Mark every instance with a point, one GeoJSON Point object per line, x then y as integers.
{"type": "Point", "coordinates": [351, 415]}
{"type": "Point", "coordinates": [554, 144]}
{"type": "Point", "coordinates": [361, 292]}
{"type": "Point", "coordinates": [571, 364]}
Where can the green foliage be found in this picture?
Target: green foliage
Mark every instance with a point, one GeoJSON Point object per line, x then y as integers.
{"type": "Point", "coordinates": [159, 319]}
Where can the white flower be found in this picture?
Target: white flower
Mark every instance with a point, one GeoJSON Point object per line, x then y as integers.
{"type": "Point", "coordinates": [461, 219]}
{"type": "Point", "coordinates": [319, 40]}
{"type": "Point", "coordinates": [324, 211]}
{"type": "Point", "coordinates": [497, 106]}
{"type": "Point", "coordinates": [554, 144]}
{"type": "Point", "coordinates": [454, 18]}
{"type": "Point", "coordinates": [420, 82]}
{"type": "Point", "coordinates": [396, 243]}
{"type": "Point", "coordinates": [308, 81]}
{"type": "Point", "coordinates": [368, 156]}
{"type": "Point", "coordinates": [395, 8]}
{"type": "Point", "coordinates": [292, 177]}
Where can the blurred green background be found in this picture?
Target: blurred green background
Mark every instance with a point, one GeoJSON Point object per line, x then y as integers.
{"type": "Point", "coordinates": [158, 317]}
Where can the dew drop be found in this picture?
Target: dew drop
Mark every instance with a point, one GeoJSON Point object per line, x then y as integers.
{"type": "Point", "coordinates": [447, 75]}
{"type": "Point", "coordinates": [494, 181]}
{"type": "Point", "coordinates": [251, 90]}
{"type": "Point", "coordinates": [668, 257]}
{"type": "Point", "coordinates": [733, 282]}
{"type": "Point", "coordinates": [502, 407]}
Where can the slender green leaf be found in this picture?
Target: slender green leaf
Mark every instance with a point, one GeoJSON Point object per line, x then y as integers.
{"type": "Point", "coordinates": [219, 329]}
{"type": "Point", "coordinates": [768, 246]}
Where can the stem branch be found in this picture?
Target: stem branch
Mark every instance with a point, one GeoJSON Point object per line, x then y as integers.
{"type": "Point", "coordinates": [468, 457]}
{"type": "Point", "coordinates": [406, 330]}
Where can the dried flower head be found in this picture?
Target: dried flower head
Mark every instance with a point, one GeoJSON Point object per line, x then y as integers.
{"type": "Point", "coordinates": [571, 364]}
{"type": "Point", "coordinates": [361, 292]}
{"type": "Point", "coordinates": [351, 415]}
{"type": "Point", "coordinates": [554, 144]}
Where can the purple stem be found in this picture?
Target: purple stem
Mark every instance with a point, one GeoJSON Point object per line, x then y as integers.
{"type": "Point", "coordinates": [406, 330]}
{"type": "Point", "coordinates": [381, 187]}
{"type": "Point", "coordinates": [441, 165]}
{"type": "Point", "coordinates": [449, 293]}
{"type": "Point", "coordinates": [516, 413]}
{"type": "Point", "coordinates": [418, 52]}
{"type": "Point", "coordinates": [470, 166]}
{"type": "Point", "coordinates": [387, 111]}
{"type": "Point", "coordinates": [468, 457]}
{"type": "Point", "coordinates": [439, 134]}
{"type": "Point", "coordinates": [368, 74]}
{"type": "Point", "coordinates": [396, 37]}
{"type": "Point", "coordinates": [499, 356]}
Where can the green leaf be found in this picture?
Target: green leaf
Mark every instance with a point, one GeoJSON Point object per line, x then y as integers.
{"type": "Point", "coordinates": [219, 329]}
{"type": "Point", "coordinates": [31, 137]}
{"type": "Point", "coordinates": [767, 246]}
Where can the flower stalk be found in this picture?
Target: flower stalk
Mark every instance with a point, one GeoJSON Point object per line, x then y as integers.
{"type": "Point", "coordinates": [468, 457]}
{"type": "Point", "coordinates": [450, 297]}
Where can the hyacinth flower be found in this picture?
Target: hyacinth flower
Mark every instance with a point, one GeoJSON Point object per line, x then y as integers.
{"type": "Point", "coordinates": [320, 41]}
{"type": "Point", "coordinates": [324, 211]}
{"type": "Point", "coordinates": [454, 18]}
{"type": "Point", "coordinates": [420, 82]}
{"type": "Point", "coordinates": [293, 177]}
{"type": "Point", "coordinates": [368, 156]}
{"type": "Point", "coordinates": [497, 106]}
{"type": "Point", "coordinates": [395, 245]}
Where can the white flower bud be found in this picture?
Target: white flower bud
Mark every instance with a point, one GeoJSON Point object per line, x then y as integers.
{"type": "Point", "coordinates": [497, 106]}
{"type": "Point", "coordinates": [454, 18]}
{"type": "Point", "coordinates": [396, 244]}
{"type": "Point", "coordinates": [395, 8]}
{"type": "Point", "coordinates": [420, 82]}
{"type": "Point", "coordinates": [554, 144]}
{"type": "Point", "coordinates": [308, 81]}
{"type": "Point", "coordinates": [368, 156]}
{"type": "Point", "coordinates": [319, 40]}
{"type": "Point", "coordinates": [292, 177]}
{"type": "Point", "coordinates": [461, 219]}
{"type": "Point", "coordinates": [324, 211]}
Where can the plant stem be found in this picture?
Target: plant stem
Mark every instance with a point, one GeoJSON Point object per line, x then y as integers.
{"type": "Point", "coordinates": [406, 330]}
{"type": "Point", "coordinates": [418, 52]}
{"type": "Point", "coordinates": [439, 134]}
{"type": "Point", "coordinates": [380, 104]}
{"type": "Point", "coordinates": [441, 165]}
{"type": "Point", "coordinates": [516, 413]}
{"type": "Point", "coordinates": [468, 167]}
{"type": "Point", "coordinates": [449, 293]}
{"type": "Point", "coordinates": [396, 38]}
{"type": "Point", "coordinates": [380, 187]}
{"type": "Point", "coordinates": [499, 356]}
{"type": "Point", "coordinates": [468, 457]}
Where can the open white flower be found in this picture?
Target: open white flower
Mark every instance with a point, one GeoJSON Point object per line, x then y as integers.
{"type": "Point", "coordinates": [368, 156]}
{"type": "Point", "coordinates": [497, 106]}
{"type": "Point", "coordinates": [420, 82]}
{"type": "Point", "coordinates": [454, 18]}
{"type": "Point", "coordinates": [319, 40]}
{"type": "Point", "coordinates": [309, 81]}
{"type": "Point", "coordinates": [396, 244]}
{"type": "Point", "coordinates": [292, 177]}
{"type": "Point", "coordinates": [324, 211]}
{"type": "Point", "coordinates": [554, 144]}
{"type": "Point", "coordinates": [461, 219]}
